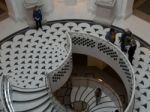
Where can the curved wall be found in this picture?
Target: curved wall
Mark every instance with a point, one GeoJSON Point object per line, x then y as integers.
{"type": "Point", "coordinates": [94, 46]}
{"type": "Point", "coordinates": [110, 54]}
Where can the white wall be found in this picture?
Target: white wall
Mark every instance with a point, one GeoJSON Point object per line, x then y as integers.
{"type": "Point", "coordinates": [18, 12]}
{"type": "Point", "coordinates": [82, 9]}
{"type": "Point", "coordinates": [123, 7]}
{"type": "Point", "coordinates": [11, 8]}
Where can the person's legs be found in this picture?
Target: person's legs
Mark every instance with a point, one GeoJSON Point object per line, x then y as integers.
{"type": "Point", "coordinates": [130, 59]}
{"type": "Point", "coordinates": [123, 48]}
{"type": "Point", "coordinates": [98, 100]}
{"type": "Point", "coordinates": [40, 24]}
{"type": "Point", "coordinates": [37, 25]}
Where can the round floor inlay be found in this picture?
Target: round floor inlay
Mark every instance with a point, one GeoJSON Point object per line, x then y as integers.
{"type": "Point", "coordinates": [28, 58]}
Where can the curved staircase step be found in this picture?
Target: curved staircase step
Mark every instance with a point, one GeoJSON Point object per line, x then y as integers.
{"type": "Point", "coordinates": [80, 92]}
{"type": "Point", "coordinates": [23, 97]}
{"type": "Point", "coordinates": [30, 105]}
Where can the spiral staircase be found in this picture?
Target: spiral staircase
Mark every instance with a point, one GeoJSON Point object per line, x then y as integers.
{"type": "Point", "coordinates": [35, 64]}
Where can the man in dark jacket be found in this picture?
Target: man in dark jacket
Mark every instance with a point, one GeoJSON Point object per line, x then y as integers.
{"type": "Point", "coordinates": [98, 94]}
{"type": "Point", "coordinates": [125, 40]}
{"type": "Point", "coordinates": [111, 36]}
{"type": "Point", "coordinates": [131, 50]}
{"type": "Point", "coordinates": [37, 16]}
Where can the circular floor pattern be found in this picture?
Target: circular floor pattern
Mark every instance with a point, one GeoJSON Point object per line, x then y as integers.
{"type": "Point", "coordinates": [10, 61]}
{"type": "Point", "coordinates": [27, 58]}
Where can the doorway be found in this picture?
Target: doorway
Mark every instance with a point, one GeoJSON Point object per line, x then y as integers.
{"type": "Point", "coordinates": [3, 10]}
{"type": "Point", "coordinates": [141, 9]}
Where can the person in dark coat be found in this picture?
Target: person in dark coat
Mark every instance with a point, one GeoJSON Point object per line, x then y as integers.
{"type": "Point", "coordinates": [111, 35]}
{"type": "Point", "coordinates": [98, 94]}
{"type": "Point", "coordinates": [116, 110]}
{"type": "Point", "coordinates": [125, 40]}
{"type": "Point", "coordinates": [131, 50]}
{"type": "Point", "coordinates": [37, 16]}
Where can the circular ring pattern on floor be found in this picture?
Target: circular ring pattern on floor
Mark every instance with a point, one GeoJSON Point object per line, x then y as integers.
{"type": "Point", "coordinates": [141, 59]}
{"type": "Point", "coordinates": [28, 58]}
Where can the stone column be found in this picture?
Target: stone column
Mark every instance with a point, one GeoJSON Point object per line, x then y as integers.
{"type": "Point", "coordinates": [48, 7]}
{"type": "Point", "coordinates": [70, 2]}
{"type": "Point", "coordinates": [105, 11]}
{"type": "Point", "coordinates": [17, 10]}
{"type": "Point", "coordinates": [124, 8]}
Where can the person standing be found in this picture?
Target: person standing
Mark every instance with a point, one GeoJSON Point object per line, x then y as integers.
{"type": "Point", "coordinates": [131, 50]}
{"type": "Point", "coordinates": [116, 110]}
{"type": "Point", "coordinates": [125, 40]}
{"type": "Point", "coordinates": [98, 94]}
{"type": "Point", "coordinates": [37, 16]}
{"type": "Point", "coordinates": [111, 35]}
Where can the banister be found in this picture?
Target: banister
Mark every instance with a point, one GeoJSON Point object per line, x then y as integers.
{"type": "Point", "coordinates": [6, 97]}
{"type": "Point", "coordinates": [122, 56]}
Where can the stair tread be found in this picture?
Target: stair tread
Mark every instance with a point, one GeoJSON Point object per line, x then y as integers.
{"type": "Point", "coordinates": [25, 106]}
{"type": "Point", "coordinates": [17, 96]}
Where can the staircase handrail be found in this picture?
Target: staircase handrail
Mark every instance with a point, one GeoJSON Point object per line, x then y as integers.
{"type": "Point", "coordinates": [6, 96]}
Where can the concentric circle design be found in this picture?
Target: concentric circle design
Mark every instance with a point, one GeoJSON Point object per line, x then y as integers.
{"type": "Point", "coordinates": [28, 58]}
{"type": "Point", "coordinates": [19, 57]}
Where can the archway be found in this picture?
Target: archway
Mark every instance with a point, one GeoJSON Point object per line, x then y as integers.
{"type": "Point", "coordinates": [3, 10]}
{"type": "Point", "coordinates": [141, 9]}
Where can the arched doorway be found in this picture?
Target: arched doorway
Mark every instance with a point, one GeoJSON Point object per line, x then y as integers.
{"type": "Point", "coordinates": [141, 9]}
{"type": "Point", "coordinates": [3, 10]}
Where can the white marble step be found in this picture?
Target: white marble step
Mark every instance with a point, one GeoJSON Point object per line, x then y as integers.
{"type": "Point", "coordinates": [51, 108]}
{"type": "Point", "coordinates": [109, 109]}
{"type": "Point", "coordinates": [92, 101]}
{"type": "Point", "coordinates": [43, 107]}
{"type": "Point", "coordinates": [20, 96]}
{"type": "Point", "coordinates": [26, 106]}
{"type": "Point", "coordinates": [80, 92]}
{"type": "Point", "coordinates": [26, 90]}
{"type": "Point", "coordinates": [73, 93]}
{"type": "Point", "coordinates": [88, 90]}
{"type": "Point", "coordinates": [104, 104]}
{"type": "Point", "coordinates": [90, 96]}
{"type": "Point", "coordinates": [103, 97]}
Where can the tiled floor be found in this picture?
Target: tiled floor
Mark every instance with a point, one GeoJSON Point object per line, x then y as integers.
{"type": "Point", "coordinates": [141, 66]}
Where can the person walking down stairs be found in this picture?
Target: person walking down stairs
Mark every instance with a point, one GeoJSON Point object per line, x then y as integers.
{"type": "Point", "coordinates": [98, 94]}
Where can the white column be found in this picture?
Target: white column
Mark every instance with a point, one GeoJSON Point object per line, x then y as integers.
{"type": "Point", "coordinates": [91, 5]}
{"type": "Point", "coordinates": [15, 9]}
{"type": "Point", "coordinates": [48, 6]}
{"type": "Point", "coordinates": [128, 10]}
{"type": "Point", "coordinates": [124, 8]}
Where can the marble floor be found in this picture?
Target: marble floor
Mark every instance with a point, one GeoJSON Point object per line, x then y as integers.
{"type": "Point", "coordinates": [141, 67]}
{"type": "Point", "coordinates": [138, 26]}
